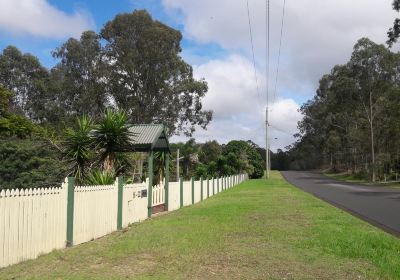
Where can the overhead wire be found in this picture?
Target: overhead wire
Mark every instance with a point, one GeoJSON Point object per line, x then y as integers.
{"type": "Point", "coordinates": [281, 130]}
{"type": "Point", "coordinates": [279, 52]}
{"type": "Point", "coordinates": [267, 18]}
{"type": "Point", "coordinates": [252, 51]}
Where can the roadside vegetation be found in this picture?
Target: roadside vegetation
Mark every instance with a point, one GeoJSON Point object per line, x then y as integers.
{"type": "Point", "coordinates": [257, 230]}
{"type": "Point", "coordinates": [347, 177]}
{"type": "Point", "coordinates": [352, 123]}
{"type": "Point", "coordinates": [212, 159]}
{"type": "Point", "coordinates": [70, 120]}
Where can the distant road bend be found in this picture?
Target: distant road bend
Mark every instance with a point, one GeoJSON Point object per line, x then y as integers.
{"type": "Point", "coordinates": [380, 206]}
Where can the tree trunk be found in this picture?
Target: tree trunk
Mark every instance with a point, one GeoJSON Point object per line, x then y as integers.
{"type": "Point", "coordinates": [372, 138]}
{"type": "Point", "coordinates": [109, 163]}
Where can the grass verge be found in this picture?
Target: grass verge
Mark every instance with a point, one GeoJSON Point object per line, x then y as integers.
{"type": "Point", "coordinates": [350, 178]}
{"type": "Point", "coordinates": [257, 230]}
{"type": "Point", "coordinates": [347, 177]}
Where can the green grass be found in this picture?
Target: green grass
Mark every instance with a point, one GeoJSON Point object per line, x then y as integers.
{"type": "Point", "coordinates": [347, 177]}
{"type": "Point", "coordinates": [350, 178]}
{"type": "Point", "coordinates": [257, 230]}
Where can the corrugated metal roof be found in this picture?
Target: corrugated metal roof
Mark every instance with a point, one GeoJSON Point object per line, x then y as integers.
{"type": "Point", "coordinates": [146, 134]}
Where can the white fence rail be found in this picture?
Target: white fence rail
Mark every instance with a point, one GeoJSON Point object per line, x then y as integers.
{"type": "Point", "coordinates": [32, 222]}
{"type": "Point", "coordinates": [187, 193]}
{"type": "Point", "coordinates": [158, 194]}
{"type": "Point", "coordinates": [95, 212]}
{"type": "Point", "coordinates": [174, 196]}
{"type": "Point", "coordinates": [37, 221]}
{"type": "Point", "coordinates": [134, 208]}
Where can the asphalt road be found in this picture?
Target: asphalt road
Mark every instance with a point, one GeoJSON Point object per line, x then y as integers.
{"type": "Point", "coordinates": [380, 206]}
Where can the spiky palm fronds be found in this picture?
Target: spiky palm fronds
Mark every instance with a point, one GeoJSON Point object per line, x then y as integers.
{"type": "Point", "coordinates": [112, 135]}
{"type": "Point", "coordinates": [77, 147]}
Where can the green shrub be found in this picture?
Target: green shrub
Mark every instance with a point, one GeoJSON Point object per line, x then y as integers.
{"type": "Point", "coordinates": [97, 177]}
{"type": "Point", "coordinates": [29, 163]}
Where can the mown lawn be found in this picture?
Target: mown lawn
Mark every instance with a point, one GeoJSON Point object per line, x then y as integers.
{"type": "Point", "coordinates": [257, 230]}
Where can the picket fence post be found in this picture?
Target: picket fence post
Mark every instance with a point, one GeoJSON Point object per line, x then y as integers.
{"type": "Point", "coordinates": [166, 181]}
{"type": "Point", "coordinates": [192, 190]}
{"type": "Point", "coordinates": [208, 187]}
{"type": "Point", "coordinates": [150, 187]}
{"type": "Point", "coordinates": [120, 185]}
{"type": "Point", "coordinates": [70, 211]}
{"type": "Point", "coordinates": [181, 187]}
{"type": "Point", "coordinates": [201, 188]}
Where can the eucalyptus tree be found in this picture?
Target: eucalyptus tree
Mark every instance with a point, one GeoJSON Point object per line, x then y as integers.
{"type": "Point", "coordinates": [148, 78]}
{"type": "Point", "coordinates": [394, 32]}
{"type": "Point", "coordinates": [355, 111]}
{"type": "Point", "coordinates": [26, 78]}
{"type": "Point", "coordinates": [374, 69]}
{"type": "Point", "coordinates": [79, 77]}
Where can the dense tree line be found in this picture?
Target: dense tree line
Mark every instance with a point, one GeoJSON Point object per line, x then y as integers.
{"type": "Point", "coordinates": [212, 159]}
{"type": "Point", "coordinates": [73, 119]}
{"type": "Point", "coordinates": [26, 158]}
{"type": "Point", "coordinates": [130, 72]}
{"type": "Point", "coordinates": [394, 32]}
{"type": "Point", "coordinates": [353, 122]}
{"type": "Point", "coordinates": [133, 64]}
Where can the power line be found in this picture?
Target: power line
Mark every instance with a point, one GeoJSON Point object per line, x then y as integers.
{"type": "Point", "coordinates": [252, 51]}
{"type": "Point", "coordinates": [281, 130]}
{"type": "Point", "coordinates": [280, 48]}
{"type": "Point", "coordinates": [267, 49]}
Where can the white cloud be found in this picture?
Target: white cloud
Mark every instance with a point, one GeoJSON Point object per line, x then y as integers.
{"type": "Point", "coordinates": [39, 18]}
{"type": "Point", "coordinates": [232, 90]}
{"type": "Point", "coordinates": [318, 34]}
{"type": "Point", "coordinates": [238, 111]}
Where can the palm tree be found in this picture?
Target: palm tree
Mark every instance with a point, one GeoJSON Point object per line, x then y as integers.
{"type": "Point", "coordinates": [77, 147]}
{"type": "Point", "coordinates": [111, 136]}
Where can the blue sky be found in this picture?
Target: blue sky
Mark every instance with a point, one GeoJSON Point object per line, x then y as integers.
{"type": "Point", "coordinates": [216, 41]}
{"type": "Point", "coordinates": [101, 12]}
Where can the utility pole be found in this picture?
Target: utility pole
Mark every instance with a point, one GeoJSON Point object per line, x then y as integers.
{"type": "Point", "coordinates": [267, 162]}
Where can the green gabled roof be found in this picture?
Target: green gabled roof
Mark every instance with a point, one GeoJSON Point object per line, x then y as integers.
{"type": "Point", "coordinates": [147, 137]}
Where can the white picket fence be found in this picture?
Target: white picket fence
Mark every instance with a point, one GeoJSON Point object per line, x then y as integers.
{"type": "Point", "coordinates": [174, 196]}
{"type": "Point", "coordinates": [158, 194]}
{"type": "Point", "coordinates": [134, 208]}
{"type": "Point", "coordinates": [92, 215]}
{"type": "Point", "coordinates": [34, 221]}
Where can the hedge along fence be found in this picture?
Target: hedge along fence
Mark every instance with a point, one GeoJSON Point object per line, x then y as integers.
{"type": "Point", "coordinates": [36, 221]}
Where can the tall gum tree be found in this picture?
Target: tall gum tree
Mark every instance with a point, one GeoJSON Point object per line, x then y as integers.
{"type": "Point", "coordinates": [374, 68]}
{"type": "Point", "coordinates": [147, 77]}
{"type": "Point", "coordinates": [26, 78]}
{"type": "Point", "coordinates": [79, 77]}
{"type": "Point", "coordinates": [394, 32]}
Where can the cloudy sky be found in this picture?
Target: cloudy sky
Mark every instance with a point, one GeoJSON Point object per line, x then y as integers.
{"type": "Point", "coordinates": [317, 35]}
